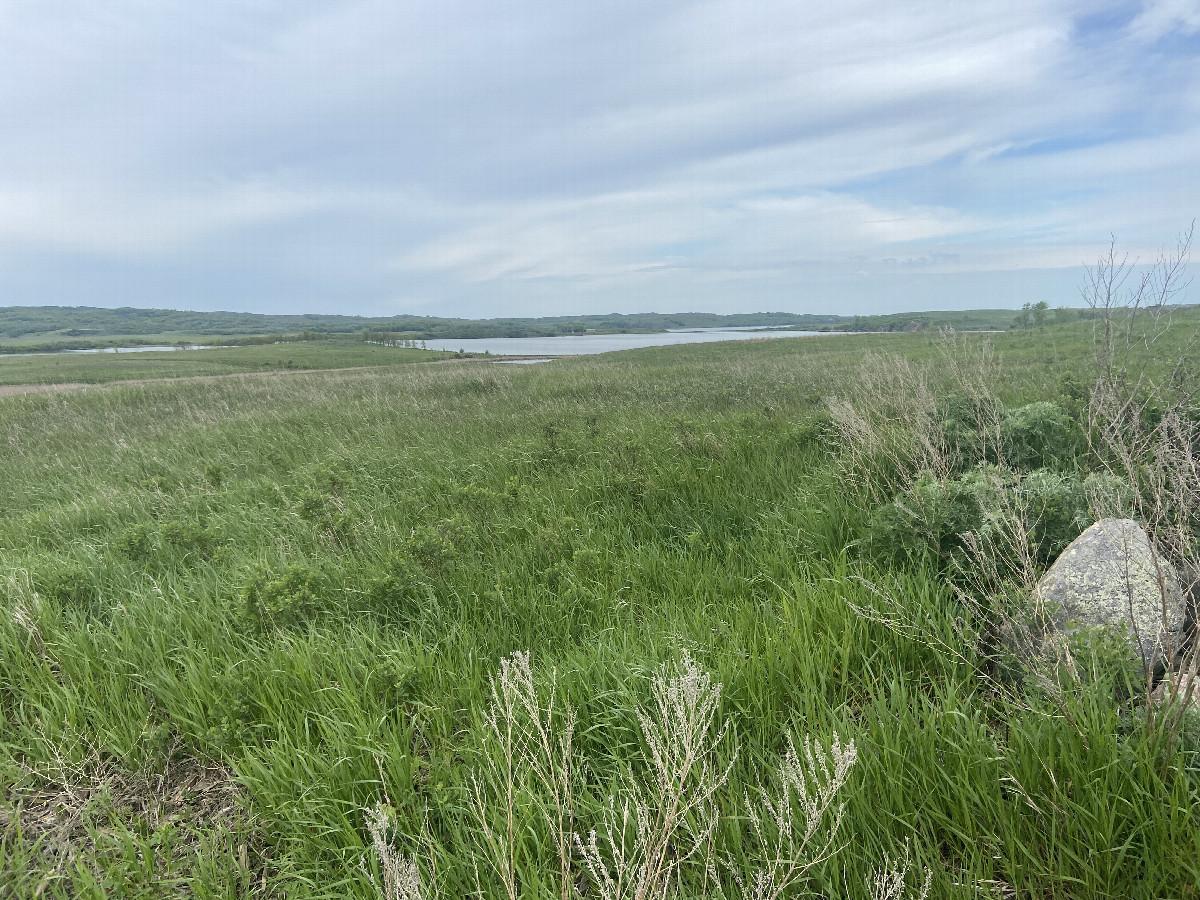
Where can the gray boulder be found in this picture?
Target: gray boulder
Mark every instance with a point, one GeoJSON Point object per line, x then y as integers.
{"type": "Point", "coordinates": [1111, 576]}
{"type": "Point", "coordinates": [1181, 686]}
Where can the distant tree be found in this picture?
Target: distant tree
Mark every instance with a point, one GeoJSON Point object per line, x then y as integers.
{"type": "Point", "coordinates": [1023, 317]}
{"type": "Point", "coordinates": [1040, 311]}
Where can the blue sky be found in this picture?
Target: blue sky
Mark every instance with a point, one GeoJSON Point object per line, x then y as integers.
{"type": "Point", "coordinates": [530, 158]}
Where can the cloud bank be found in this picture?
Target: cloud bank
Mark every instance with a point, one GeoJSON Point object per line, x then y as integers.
{"type": "Point", "coordinates": [520, 158]}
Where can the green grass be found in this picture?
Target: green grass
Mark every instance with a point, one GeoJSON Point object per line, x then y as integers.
{"type": "Point", "coordinates": [99, 368]}
{"type": "Point", "coordinates": [304, 581]}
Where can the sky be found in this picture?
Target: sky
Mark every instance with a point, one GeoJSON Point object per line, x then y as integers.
{"type": "Point", "coordinates": [512, 158]}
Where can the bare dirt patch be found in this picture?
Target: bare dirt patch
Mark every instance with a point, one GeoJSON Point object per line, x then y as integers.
{"type": "Point", "coordinates": [69, 815]}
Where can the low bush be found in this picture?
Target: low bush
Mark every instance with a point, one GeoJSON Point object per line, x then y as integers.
{"type": "Point", "coordinates": [433, 549]}
{"type": "Point", "coordinates": [1040, 436]}
{"type": "Point", "coordinates": [178, 541]}
{"type": "Point", "coordinates": [396, 591]}
{"type": "Point", "coordinates": [70, 585]}
{"type": "Point", "coordinates": [284, 599]}
{"type": "Point", "coordinates": [930, 519]}
{"type": "Point", "coordinates": [926, 521]}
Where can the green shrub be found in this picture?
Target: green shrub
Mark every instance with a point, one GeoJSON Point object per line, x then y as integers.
{"type": "Point", "coordinates": [159, 484]}
{"type": "Point", "coordinates": [1040, 435]}
{"type": "Point", "coordinates": [434, 548]}
{"type": "Point", "coordinates": [191, 538]}
{"type": "Point", "coordinates": [281, 599]}
{"type": "Point", "coordinates": [235, 710]}
{"type": "Point", "coordinates": [1035, 436]}
{"type": "Point", "coordinates": [395, 590]}
{"type": "Point", "coordinates": [928, 521]}
{"type": "Point", "coordinates": [71, 586]}
{"type": "Point", "coordinates": [925, 521]}
{"type": "Point", "coordinates": [180, 541]}
{"type": "Point", "coordinates": [137, 542]}
{"type": "Point", "coordinates": [330, 514]}
{"type": "Point", "coordinates": [1059, 507]}
{"type": "Point", "coordinates": [960, 418]}
{"type": "Point", "coordinates": [403, 584]}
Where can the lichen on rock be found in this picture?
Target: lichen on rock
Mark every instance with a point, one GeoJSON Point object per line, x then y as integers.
{"type": "Point", "coordinates": [1112, 577]}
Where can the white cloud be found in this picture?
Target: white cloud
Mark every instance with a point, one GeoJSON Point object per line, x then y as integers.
{"type": "Point", "coordinates": [93, 219]}
{"type": "Point", "coordinates": [1159, 18]}
{"type": "Point", "coordinates": [468, 146]}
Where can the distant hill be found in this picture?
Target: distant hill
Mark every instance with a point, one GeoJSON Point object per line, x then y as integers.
{"type": "Point", "coordinates": [959, 320]}
{"type": "Point", "coordinates": [17, 322]}
{"type": "Point", "coordinates": [59, 327]}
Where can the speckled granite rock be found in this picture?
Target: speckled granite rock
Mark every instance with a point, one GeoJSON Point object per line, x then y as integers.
{"type": "Point", "coordinates": [1108, 576]}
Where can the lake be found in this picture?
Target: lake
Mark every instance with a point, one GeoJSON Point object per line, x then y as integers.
{"type": "Point", "coordinates": [584, 344]}
{"type": "Point", "coordinates": [565, 345]}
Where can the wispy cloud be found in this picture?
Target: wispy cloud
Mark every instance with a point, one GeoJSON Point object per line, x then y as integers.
{"type": "Point", "coordinates": [1162, 17]}
{"type": "Point", "coordinates": [504, 158]}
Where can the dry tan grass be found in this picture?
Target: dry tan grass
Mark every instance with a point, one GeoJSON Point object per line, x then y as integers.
{"type": "Point", "coordinates": [660, 826]}
{"type": "Point", "coordinates": [1145, 429]}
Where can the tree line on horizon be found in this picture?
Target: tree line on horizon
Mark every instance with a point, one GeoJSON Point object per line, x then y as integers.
{"type": "Point", "coordinates": [56, 328]}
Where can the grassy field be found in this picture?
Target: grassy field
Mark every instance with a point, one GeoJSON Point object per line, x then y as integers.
{"type": "Point", "coordinates": [100, 368]}
{"type": "Point", "coordinates": [240, 612]}
{"type": "Point", "coordinates": [1055, 345]}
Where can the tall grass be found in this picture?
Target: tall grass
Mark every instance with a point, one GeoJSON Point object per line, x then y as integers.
{"type": "Point", "coordinates": [104, 368]}
{"type": "Point", "coordinates": [310, 584]}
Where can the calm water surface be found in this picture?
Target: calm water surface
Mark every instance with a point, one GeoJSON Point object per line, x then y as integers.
{"type": "Point", "coordinates": [566, 345]}
{"type": "Point", "coordinates": [583, 344]}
